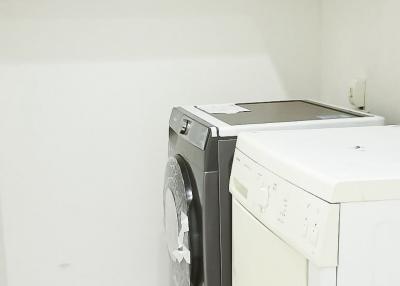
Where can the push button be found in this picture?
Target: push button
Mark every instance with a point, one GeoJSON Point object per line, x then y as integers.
{"type": "Point", "coordinates": [263, 197]}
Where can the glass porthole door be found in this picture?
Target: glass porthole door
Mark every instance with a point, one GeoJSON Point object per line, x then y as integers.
{"type": "Point", "coordinates": [182, 223]}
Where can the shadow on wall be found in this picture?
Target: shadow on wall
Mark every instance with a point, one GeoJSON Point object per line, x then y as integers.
{"type": "Point", "coordinates": [286, 33]}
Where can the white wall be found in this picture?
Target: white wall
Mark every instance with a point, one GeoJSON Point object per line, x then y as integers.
{"type": "Point", "coordinates": [360, 38]}
{"type": "Point", "coordinates": [86, 88]}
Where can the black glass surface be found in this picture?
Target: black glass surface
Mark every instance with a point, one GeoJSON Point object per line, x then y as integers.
{"type": "Point", "coordinates": [283, 111]}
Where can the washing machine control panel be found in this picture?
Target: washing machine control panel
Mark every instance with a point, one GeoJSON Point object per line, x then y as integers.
{"type": "Point", "coordinates": [189, 129]}
{"type": "Point", "coordinates": [307, 223]}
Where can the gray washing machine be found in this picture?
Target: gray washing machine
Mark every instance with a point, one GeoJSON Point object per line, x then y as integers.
{"type": "Point", "coordinates": [197, 203]}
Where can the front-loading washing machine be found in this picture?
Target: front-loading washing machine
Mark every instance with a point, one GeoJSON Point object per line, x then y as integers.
{"type": "Point", "coordinates": [317, 207]}
{"type": "Point", "coordinates": [197, 203]}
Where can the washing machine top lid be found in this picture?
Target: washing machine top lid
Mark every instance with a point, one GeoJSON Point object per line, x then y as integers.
{"type": "Point", "coordinates": [337, 165]}
{"type": "Point", "coordinates": [231, 119]}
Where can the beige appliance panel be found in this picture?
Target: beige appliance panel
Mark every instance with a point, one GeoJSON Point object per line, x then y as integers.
{"type": "Point", "coordinates": [260, 257]}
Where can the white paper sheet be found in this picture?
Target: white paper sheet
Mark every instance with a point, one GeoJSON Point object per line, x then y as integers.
{"type": "Point", "coordinates": [229, 108]}
{"type": "Point", "coordinates": [182, 253]}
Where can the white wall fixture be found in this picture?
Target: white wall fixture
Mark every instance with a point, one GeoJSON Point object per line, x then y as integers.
{"type": "Point", "coordinates": [367, 44]}
{"type": "Point", "coordinates": [357, 93]}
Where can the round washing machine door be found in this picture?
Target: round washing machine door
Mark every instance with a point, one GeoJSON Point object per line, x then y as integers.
{"type": "Point", "coordinates": [182, 223]}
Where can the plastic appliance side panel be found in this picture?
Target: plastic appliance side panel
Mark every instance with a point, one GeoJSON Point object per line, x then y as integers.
{"type": "Point", "coordinates": [226, 149]}
{"type": "Point", "coordinates": [211, 234]}
{"type": "Point", "coordinates": [369, 243]}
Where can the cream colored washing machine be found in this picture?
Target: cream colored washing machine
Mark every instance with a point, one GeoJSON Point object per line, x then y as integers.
{"type": "Point", "coordinates": [317, 207]}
